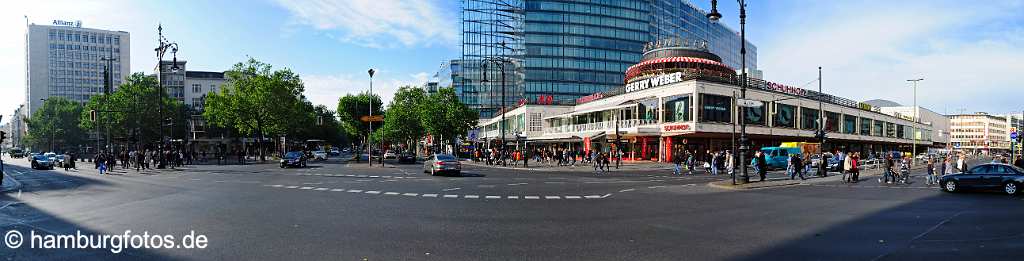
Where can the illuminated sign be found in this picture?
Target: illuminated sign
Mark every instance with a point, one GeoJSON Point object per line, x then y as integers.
{"type": "Point", "coordinates": [784, 88]}
{"type": "Point", "coordinates": [68, 23]}
{"type": "Point", "coordinates": [656, 81]}
{"type": "Point", "coordinates": [677, 127]}
{"type": "Point", "coordinates": [590, 98]}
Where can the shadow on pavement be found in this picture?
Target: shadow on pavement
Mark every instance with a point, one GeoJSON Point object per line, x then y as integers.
{"type": "Point", "coordinates": [947, 226]}
{"type": "Point", "coordinates": [52, 180]}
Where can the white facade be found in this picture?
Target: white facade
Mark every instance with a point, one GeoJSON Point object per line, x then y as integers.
{"type": "Point", "coordinates": [527, 121]}
{"type": "Point", "coordinates": [979, 132]}
{"type": "Point", "coordinates": [64, 61]}
{"type": "Point", "coordinates": [198, 84]}
{"type": "Point", "coordinates": [940, 123]}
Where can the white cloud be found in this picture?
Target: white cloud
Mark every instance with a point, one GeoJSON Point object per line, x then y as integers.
{"type": "Point", "coordinates": [378, 23]}
{"type": "Point", "coordinates": [326, 89]}
{"type": "Point", "coordinates": [970, 58]}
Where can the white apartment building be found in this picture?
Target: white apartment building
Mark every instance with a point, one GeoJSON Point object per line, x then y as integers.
{"type": "Point", "coordinates": [979, 133]}
{"type": "Point", "coordinates": [64, 60]}
{"type": "Point", "coordinates": [200, 83]}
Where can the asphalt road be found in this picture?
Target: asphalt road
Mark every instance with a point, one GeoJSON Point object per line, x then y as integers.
{"type": "Point", "coordinates": [338, 211]}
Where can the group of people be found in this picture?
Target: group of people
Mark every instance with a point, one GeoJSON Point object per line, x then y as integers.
{"type": "Point", "coordinates": [714, 163]}
{"type": "Point", "coordinates": [601, 161]}
{"type": "Point", "coordinates": [141, 160]}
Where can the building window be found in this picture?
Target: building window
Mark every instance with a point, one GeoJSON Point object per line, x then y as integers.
{"type": "Point", "coordinates": [808, 119]}
{"type": "Point", "coordinates": [832, 121]}
{"type": "Point", "coordinates": [900, 131]}
{"type": "Point", "coordinates": [196, 88]}
{"type": "Point", "coordinates": [890, 129]}
{"type": "Point", "coordinates": [879, 128]}
{"type": "Point", "coordinates": [849, 124]}
{"type": "Point", "coordinates": [677, 108]}
{"type": "Point", "coordinates": [785, 116]}
{"type": "Point", "coordinates": [715, 108]}
{"type": "Point", "coordinates": [648, 109]}
{"type": "Point", "coordinates": [754, 115]}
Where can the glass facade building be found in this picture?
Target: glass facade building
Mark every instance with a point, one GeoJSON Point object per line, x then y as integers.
{"type": "Point", "coordinates": [561, 50]}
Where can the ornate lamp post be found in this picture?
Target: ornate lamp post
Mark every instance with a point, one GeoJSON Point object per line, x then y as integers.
{"type": "Point", "coordinates": [163, 45]}
{"type": "Point", "coordinates": [714, 16]}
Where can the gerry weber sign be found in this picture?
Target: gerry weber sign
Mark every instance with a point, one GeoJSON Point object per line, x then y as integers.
{"type": "Point", "coordinates": [68, 23]}
{"type": "Point", "coordinates": [661, 79]}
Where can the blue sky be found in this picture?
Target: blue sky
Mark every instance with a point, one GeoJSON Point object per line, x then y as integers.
{"type": "Point", "coordinates": [970, 54]}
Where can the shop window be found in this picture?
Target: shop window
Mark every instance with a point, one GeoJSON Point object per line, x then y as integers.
{"type": "Point", "coordinates": [715, 108]}
{"type": "Point", "coordinates": [849, 124]}
{"type": "Point", "coordinates": [878, 129]}
{"type": "Point", "coordinates": [831, 121]}
{"type": "Point", "coordinates": [785, 116]}
{"type": "Point", "coordinates": [677, 108]}
{"type": "Point", "coordinates": [648, 109]}
{"type": "Point", "coordinates": [755, 115]}
{"type": "Point", "coordinates": [808, 119]}
{"type": "Point", "coordinates": [865, 126]}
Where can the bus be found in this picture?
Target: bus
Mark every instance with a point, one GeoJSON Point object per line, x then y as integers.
{"type": "Point", "coordinates": [16, 152]}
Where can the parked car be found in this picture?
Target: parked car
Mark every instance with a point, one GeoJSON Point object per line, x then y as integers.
{"type": "Point", "coordinates": [320, 155]}
{"type": "Point", "coordinates": [407, 158]}
{"type": "Point", "coordinates": [31, 156]}
{"type": "Point", "coordinates": [991, 176]}
{"type": "Point", "coordinates": [60, 161]}
{"type": "Point", "coordinates": [334, 152]}
{"type": "Point", "coordinates": [293, 159]}
{"type": "Point", "coordinates": [442, 163]}
{"type": "Point", "coordinates": [390, 155]}
{"type": "Point", "coordinates": [41, 162]}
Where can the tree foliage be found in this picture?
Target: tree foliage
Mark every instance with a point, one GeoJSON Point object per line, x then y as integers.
{"type": "Point", "coordinates": [402, 120]}
{"type": "Point", "coordinates": [446, 117]}
{"type": "Point", "coordinates": [257, 100]}
{"type": "Point", "coordinates": [351, 108]}
{"type": "Point", "coordinates": [56, 125]}
{"type": "Point", "coordinates": [132, 112]}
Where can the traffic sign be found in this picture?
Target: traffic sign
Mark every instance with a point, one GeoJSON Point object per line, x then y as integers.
{"type": "Point", "coordinates": [369, 118]}
{"type": "Point", "coordinates": [749, 103]}
{"type": "Point", "coordinates": [1013, 135]}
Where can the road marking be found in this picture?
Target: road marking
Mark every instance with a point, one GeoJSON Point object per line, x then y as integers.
{"type": "Point", "coordinates": [277, 186]}
{"type": "Point", "coordinates": [390, 193]}
{"type": "Point", "coordinates": [531, 197]}
{"type": "Point", "coordinates": [552, 197]}
{"type": "Point", "coordinates": [374, 176]}
{"type": "Point", "coordinates": [592, 196]}
{"type": "Point", "coordinates": [492, 197]}
{"type": "Point", "coordinates": [195, 179]}
{"type": "Point", "coordinates": [306, 188]}
{"type": "Point", "coordinates": [291, 187]}
{"type": "Point", "coordinates": [517, 184]}
{"type": "Point", "coordinates": [512, 197]}
{"type": "Point", "coordinates": [321, 189]}
{"type": "Point", "coordinates": [606, 195]}
{"type": "Point", "coordinates": [626, 190]}
{"type": "Point", "coordinates": [338, 190]}
{"type": "Point", "coordinates": [572, 197]}
{"type": "Point", "coordinates": [350, 175]}
{"type": "Point", "coordinates": [450, 196]}
{"type": "Point", "coordinates": [554, 182]}
{"type": "Point", "coordinates": [471, 196]}
{"type": "Point", "coordinates": [312, 183]}
{"type": "Point", "coordinates": [450, 189]}
{"type": "Point", "coordinates": [430, 195]}
{"type": "Point", "coordinates": [220, 181]}
{"type": "Point", "coordinates": [411, 194]}
{"type": "Point", "coordinates": [373, 192]}
{"type": "Point", "coordinates": [355, 190]}
{"type": "Point", "coordinates": [654, 187]}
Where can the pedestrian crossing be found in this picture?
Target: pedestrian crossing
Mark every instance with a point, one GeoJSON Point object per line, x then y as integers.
{"type": "Point", "coordinates": [441, 196]}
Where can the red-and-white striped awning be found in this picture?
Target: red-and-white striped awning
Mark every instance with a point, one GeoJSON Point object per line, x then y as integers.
{"type": "Point", "coordinates": [630, 71]}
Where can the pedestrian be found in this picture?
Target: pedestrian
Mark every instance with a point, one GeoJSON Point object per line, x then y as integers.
{"type": "Point", "coordinates": [1018, 162]}
{"type": "Point", "coordinates": [690, 162]}
{"type": "Point", "coordinates": [605, 161]}
{"type": "Point", "coordinates": [847, 169]}
{"type": "Point", "coordinates": [762, 165]}
{"type": "Point", "coordinates": [65, 164]}
{"type": "Point", "coordinates": [730, 163]}
{"type": "Point", "coordinates": [794, 167]}
{"type": "Point", "coordinates": [931, 178]}
{"type": "Point", "coordinates": [101, 163]}
{"type": "Point", "coordinates": [678, 161]}
{"type": "Point", "coordinates": [714, 164]}
{"type": "Point", "coordinates": [855, 167]}
{"type": "Point", "coordinates": [961, 163]}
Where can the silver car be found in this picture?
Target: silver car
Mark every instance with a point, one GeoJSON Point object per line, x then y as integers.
{"type": "Point", "coordinates": [442, 163]}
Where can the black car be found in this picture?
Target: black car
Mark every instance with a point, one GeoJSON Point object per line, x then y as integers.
{"type": "Point", "coordinates": [992, 176]}
{"type": "Point", "coordinates": [406, 158]}
{"type": "Point", "coordinates": [293, 159]}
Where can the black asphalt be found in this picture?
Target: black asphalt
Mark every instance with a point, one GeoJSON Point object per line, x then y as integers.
{"type": "Point", "coordinates": [263, 212]}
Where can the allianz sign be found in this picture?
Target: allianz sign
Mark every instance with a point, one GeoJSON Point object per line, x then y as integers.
{"type": "Point", "coordinates": [656, 81]}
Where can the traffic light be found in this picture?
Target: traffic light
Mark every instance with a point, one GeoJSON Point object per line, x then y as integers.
{"type": "Point", "coordinates": [92, 115]}
{"type": "Point", "coordinates": [820, 135]}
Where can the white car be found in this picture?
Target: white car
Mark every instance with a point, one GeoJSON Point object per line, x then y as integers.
{"type": "Point", "coordinates": [390, 155]}
{"type": "Point", "coordinates": [320, 155]}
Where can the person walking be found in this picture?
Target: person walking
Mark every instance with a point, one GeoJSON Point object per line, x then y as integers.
{"type": "Point", "coordinates": [730, 163]}
{"type": "Point", "coordinates": [762, 165]}
{"type": "Point", "coordinates": [690, 162]}
{"type": "Point", "coordinates": [855, 167]}
{"type": "Point", "coordinates": [961, 163]}
{"type": "Point", "coordinates": [101, 163]}
{"type": "Point", "coordinates": [678, 161]}
{"type": "Point", "coordinates": [714, 164]}
{"type": "Point", "coordinates": [847, 168]}
{"type": "Point", "coordinates": [794, 167]}
{"type": "Point", "coordinates": [888, 171]}
{"type": "Point", "coordinates": [931, 178]}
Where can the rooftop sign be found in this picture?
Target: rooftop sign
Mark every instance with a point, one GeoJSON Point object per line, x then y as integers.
{"type": "Point", "coordinates": [656, 81]}
{"type": "Point", "coordinates": [76, 23]}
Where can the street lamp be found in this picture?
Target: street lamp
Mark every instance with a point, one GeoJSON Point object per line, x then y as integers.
{"type": "Point", "coordinates": [714, 16]}
{"type": "Point", "coordinates": [162, 47]}
{"type": "Point", "coordinates": [369, 148]}
{"type": "Point", "coordinates": [501, 66]}
{"type": "Point", "coordinates": [913, 152]}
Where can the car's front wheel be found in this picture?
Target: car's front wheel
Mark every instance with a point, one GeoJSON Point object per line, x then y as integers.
{"type": "Point", "coordinates": [1010, 188]}
{"type": "Point", "coordinates": [950, 186]}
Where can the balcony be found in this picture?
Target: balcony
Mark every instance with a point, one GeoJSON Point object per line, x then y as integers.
{"type": "Point", "coordinates": [598, 126]}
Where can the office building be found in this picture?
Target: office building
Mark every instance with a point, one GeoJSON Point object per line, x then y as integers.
{"type": "Point", "coordinates": [65, 60]}
{"type": "Point", "coordinates": [554, 50]}
{"type": "Point", "coordinates": [979, 133]}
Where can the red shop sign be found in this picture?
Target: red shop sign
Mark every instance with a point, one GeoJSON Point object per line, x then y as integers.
{"type": "Point", "coordinates": [678, 127]}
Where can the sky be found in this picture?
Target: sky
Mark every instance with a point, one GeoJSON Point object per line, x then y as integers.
{"type": "Point", "coordinates": [970, 54]}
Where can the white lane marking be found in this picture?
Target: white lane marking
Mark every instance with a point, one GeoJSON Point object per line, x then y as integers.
{"type": "Point", "coordinates": [306, 188]}
{"type": "Point", "coordinates": [220, 181]}
{"type": "Point", "coordinates": [531, 197]}
{"type": "Point", "coordinates": [321, 189]}
{"type": "Point", "coordinates": [373, 192]}
{"type": "Point", "coordinates": [492, 197]}
{"type": "Point", "coordinates": [552, 197]}
{"type": "Point", "coordinates": [364, 180]}
{"type": "Point", "coordinates": [626, 190]}
{"type": "Point", "coordinates": [195, 179]}
{"type": "Point", "coordinates": [291, 187]}
{"type": "Point", "coordinates": [338, 190]}
{"type": "Point", "coordinates": [390, 193]}
{"type": "Point", "coordinates": [512, 197]}
{"type": "Point", "coordinates": [517, 184]}
{"type": "Point", "coordinates": [312, 183]}
{"type": "Point", "coordinates": [429, 195]}
{"type": "Point", "coordinates": [450, 196]}
{"type": "Point", "coordinates": [471, 196]}
{"type": "Point", "coordinates": [572, 197]}
{"type": "Point", "coordinates": [654, 187]}
{"type": "Point", "coordinates": [277, 186]}
{"type": "Point", "coordinates": [374, 176]}
{"type": "Point", "coordinates": [411, 194]}
{"type": "Point", "coordinates": [592, 196]}
{"type": "Point", "coordinates": [350, 175]}
{"type": "Point", "coordinates": [355, 190]}
{"type": "Point", "coordinates": [485, 186]}
{"type": "Point", "coordinates": [450, 189]}
{"type": "Point", "coordinates": [606, 195]}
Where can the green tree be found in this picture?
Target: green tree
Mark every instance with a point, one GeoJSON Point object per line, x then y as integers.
{"type": "Point", "coordinates": [55, 126]}
{"type": "Point", "coordinates": [257, 100]}
{"type": "Point", "coordinates": [351, 108]}
{"type": "Point", "coordinates": [131, 113]}
{"type": "Point", "coordinates": [447, 118]}
{"type": "Point", "coordinates": [402, 121]}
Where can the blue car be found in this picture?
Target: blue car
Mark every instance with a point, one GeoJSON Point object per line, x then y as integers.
{"type": "Point", "coordinates": [41, 162]}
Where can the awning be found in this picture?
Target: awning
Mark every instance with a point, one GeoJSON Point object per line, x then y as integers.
{"type": "Point", "coordinates": [565, 137]}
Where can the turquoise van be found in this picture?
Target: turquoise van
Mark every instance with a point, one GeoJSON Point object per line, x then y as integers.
{"type": "Point", "coordinates": [778, 157]}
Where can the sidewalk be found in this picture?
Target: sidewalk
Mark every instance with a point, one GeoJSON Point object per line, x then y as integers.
{"type": "Point", "coordinates": [777, 181]}
{"type": "Point", "coordinates": [579, 167]}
